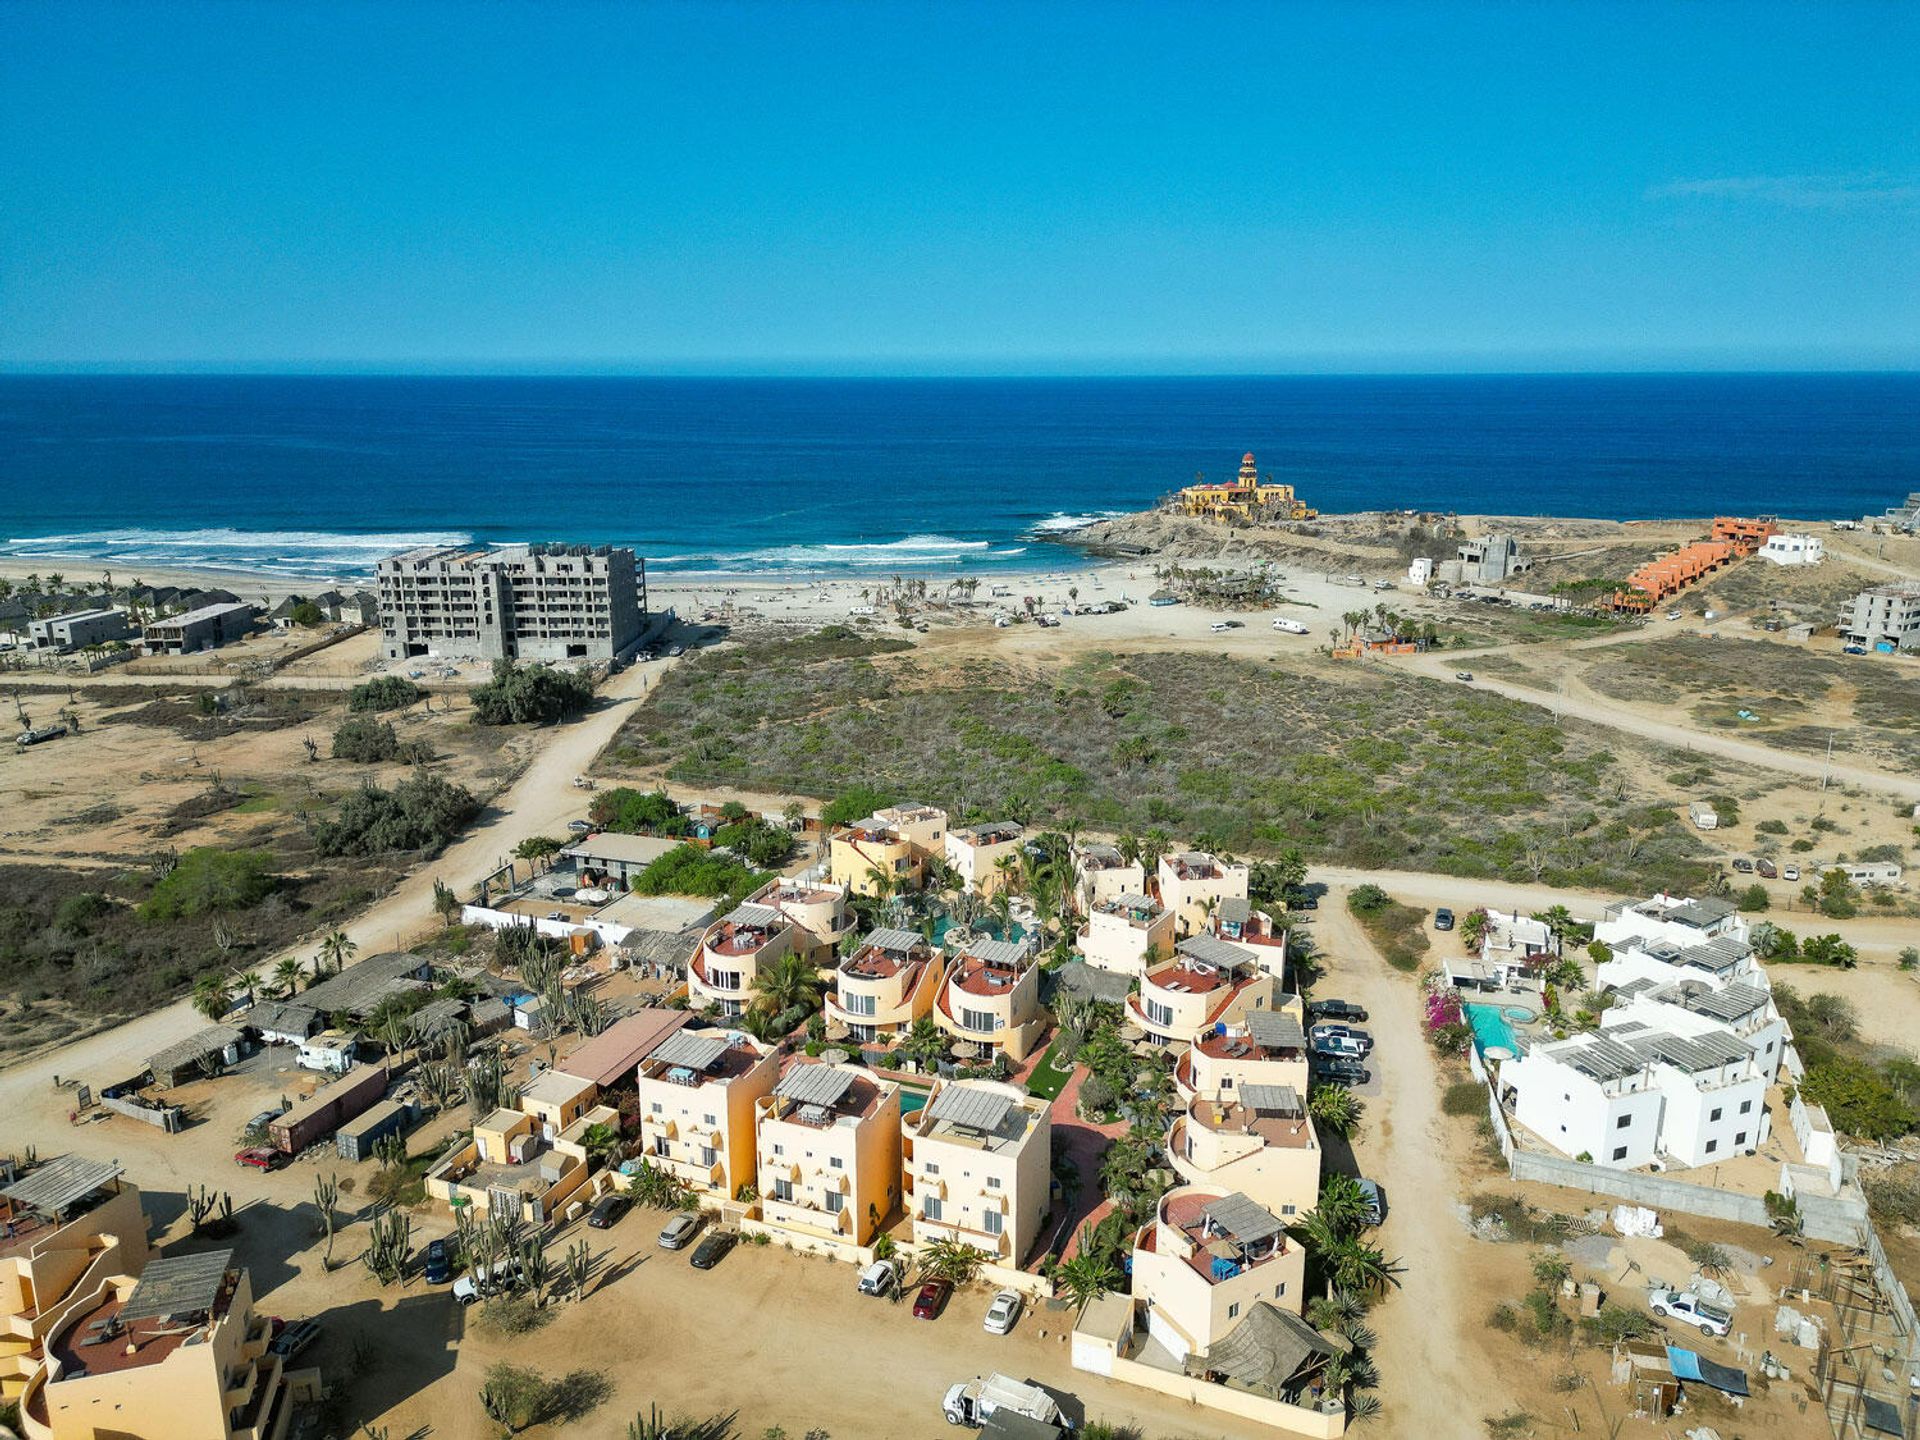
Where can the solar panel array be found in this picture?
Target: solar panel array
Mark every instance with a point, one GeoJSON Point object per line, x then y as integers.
{"type": "Point", "coordinates": [890, 938]}
{"type": "Point", "coordinates": [691, 1049]}
{"type": "Point", "coordinates": [1275, 1030]}
{"type": "Point", "coordinates": [1212, 951]}
{"type": "Point", "coordinates": [57, 1183]}
{"type": "Point", "coordinates": [1732, 1003]}
{"type": "Point", "coordinates": [755, 917]}
{"type": "Point", "coordinates": [814, 1085]}
{"type": "Point", "coordinates": [1692, 1053]}
{"type": "Point", "coordinates": [971, 1109]}
{"type": "Point", "coordinates": [1271, 1099]}
{"type": "Point", "coordinates": [179, 1285]}
{"type": "Point", "coordinates": [1003, 953]}
{"type": "Point", "coordinates": [1243, 1218]}
{"type": "Point", "coordinates": [1603, 1059]}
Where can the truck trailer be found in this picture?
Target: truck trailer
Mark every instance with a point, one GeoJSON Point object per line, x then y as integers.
{"type": "Point", "coordinates": [973, 1401]}
{"type": "Point", "coordinates": [331, 1107]}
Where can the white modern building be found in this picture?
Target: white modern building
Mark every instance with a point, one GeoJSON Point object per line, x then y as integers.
{"type": "Point", "coordinates": [1794, 549]}
{"type": "Point", "coordinates": [1672, 918]}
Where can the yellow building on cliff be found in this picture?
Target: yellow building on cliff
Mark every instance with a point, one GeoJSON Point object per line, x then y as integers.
{"type": "Point", "coordinates": [1246, 496]}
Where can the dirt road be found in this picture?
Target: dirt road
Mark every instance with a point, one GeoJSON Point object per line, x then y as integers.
{"type": "Point", "coordinates": [1434, 1380]}
{"type": "Point", "coordinates": [540, 802]}
{"type": "Point", "coordinates": [1658, 724]}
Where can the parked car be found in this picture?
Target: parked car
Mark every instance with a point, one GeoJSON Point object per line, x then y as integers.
{"type": "Point", "coordinates": [1336, 1010]}
{"type": "Point", "coordinates": [878, 1279]}
{"type": "Point", "coordinates": [1376, 1199]}
{"type": "Point", "coordinates": [1689, 1309]}
{"type": "Point", "coordinates": [1341, 1070]}
{"type": "Point", "coordinates": [1443, 919]}
{"type": "Point", "coordinates": [1338, 1047]}
{"type": "Point", "coordinates": [257, 1157]}
{"type": "Point", "coordinates": [932, 1299]}
{"type": "Point", "coordinates": [502, 1275]}
{"type": "Point", "coordinates": [1336, 1040]}
{"type": "Point", "coordinates": [1465, 677]}
{"type": "Point", "coordinates": [608, 1211]}
{"type": "Point", "coordinates": [1792, 872]}
{"type": "Point", "coordinates": [1768, 870]}
{"type": "Point", "coordinates": [680, 1229]}
{"type": "Point", "coordinates": [674, 652]}
{"type": "Point", "coordinates": [257, 1126]}
{"type": "Point", "coordinates": [1742, 866]}
{"type": "Point", "coordinates": [712, 1250]}
{"type": "Point", "coordinates": [1854, 650]}
{"type": "Point", "coordinates": [1002, 1313]}
{"type": "Point", "coordinates": [295, 1338]}
{"type": "Point", "coordinates": [579, 827]}
{"type": "Point", "coordinates": [439, 1262]}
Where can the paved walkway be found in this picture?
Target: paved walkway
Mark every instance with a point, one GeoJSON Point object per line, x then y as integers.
{"type": "Point", "coordinates": [1084, 1142]}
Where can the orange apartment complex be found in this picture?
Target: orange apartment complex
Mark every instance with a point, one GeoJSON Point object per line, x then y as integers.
{"type": "Point", "coordinates": [1732, 538]}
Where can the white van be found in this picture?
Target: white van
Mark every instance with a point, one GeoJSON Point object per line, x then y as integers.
{"type": "Point", "coordinates": [878, 1279]}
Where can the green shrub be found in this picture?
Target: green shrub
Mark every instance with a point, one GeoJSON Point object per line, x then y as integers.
{"type": "Point", "coordinates": [387, 692]}
{"type": "Point", "coordinates": [853, 804]}
{"type": "Point", "coordinates": [208, 880]}
{"type": "Point", "coordinates": [369, 741]}
{"type": "Point", "coordinates": [689, 870]}
{"type": "Point", "coordinates": [1772, 827]}
{"type": "Point", "coordinates": [307, 614]}
{"type": "Point", "coordinates": [1755, 899]}
{"type": "Point", "coordinates": [1464, 1097]}
{"type": "Point", "coordinates": [77, 912]}
{"type": "Point", "coordinates": [1858, 1099]}
{"type": "Point", "coordinates": [422, 812]}
{"type": "Point", "coordinates": [530, 695]}
{"type": "Point", "coordinates": [627, 811]}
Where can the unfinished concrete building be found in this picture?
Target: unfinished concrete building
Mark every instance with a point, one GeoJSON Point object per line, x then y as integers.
{"type": "Point", "coordinates": [522, 602]}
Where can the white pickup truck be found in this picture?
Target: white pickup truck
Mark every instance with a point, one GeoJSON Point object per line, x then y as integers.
{"type": "Point", "coordinates": [972, 1401]}
{"type": "Point", "coordinates": [1689, 1309]}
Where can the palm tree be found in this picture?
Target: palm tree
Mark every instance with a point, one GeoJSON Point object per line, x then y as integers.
{"type": "Point", "coordinates": [1344, 1204]}
{"type": "Point", "coordinates": [1352, 1265]}
{"type": "Point", "coordinates": [1336, 1311]}
{"type": "Point", "coordinates": [210, 996]}
{"type": "Point", "coordinates": [337, 949]}
{"type": "Point", "coordinates": [287, 975]}
{"type": "Point", "coordinates": [1085, 1278]}
{"type": "Point", "coordinates": [249, 981]}
{"type": "Point", "coordinates": [951, 1260]}
{"type": "Point", "coordinates": [1335, 1110]}
{"type": "Point", "coordinates": [789, 983]}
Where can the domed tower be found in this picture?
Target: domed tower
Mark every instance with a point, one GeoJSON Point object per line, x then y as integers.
{"type": "Point", "coordinates": [1249, 472]}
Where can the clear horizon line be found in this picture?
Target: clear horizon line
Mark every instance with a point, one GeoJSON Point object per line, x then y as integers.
{"type": "Point", "coordinates": [510, 371]}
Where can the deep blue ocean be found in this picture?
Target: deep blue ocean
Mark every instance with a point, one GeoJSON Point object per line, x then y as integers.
{"type": "Point", "coordinates": [322, 475]}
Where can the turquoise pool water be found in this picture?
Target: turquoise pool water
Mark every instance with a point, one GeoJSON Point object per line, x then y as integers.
{"type": "Point", "coordinates": [987, 925]}
{"type": "Point", "coordinates": [911, 1100]}
{"type": "Point", "coordinates": [1490, 1027]}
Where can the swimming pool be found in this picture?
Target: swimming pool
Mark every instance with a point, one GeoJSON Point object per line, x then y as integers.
{"type": "Point", "coordinates": [911, 1099]}
{"type": "Point", "coordinates": [1490, 1028]}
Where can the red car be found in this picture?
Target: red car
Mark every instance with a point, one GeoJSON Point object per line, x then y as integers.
{"type": "Point", "coordinates": [258, 1158]}
{"type": "Point", "coordinates": [931, 1300]}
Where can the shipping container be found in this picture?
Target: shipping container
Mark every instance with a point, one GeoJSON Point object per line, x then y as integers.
{"type": "Point", "coordinates": [356, 1138]}
{"type": "Point", "coordinates": [331, 1106]}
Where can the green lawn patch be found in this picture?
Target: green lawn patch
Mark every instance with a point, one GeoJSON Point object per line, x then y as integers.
{"type": "Point", "coordinates": [1047, 1081]}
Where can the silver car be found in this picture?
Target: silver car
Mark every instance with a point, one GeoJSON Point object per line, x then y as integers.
{"type": "Point", "coordinates": [679, 1230]}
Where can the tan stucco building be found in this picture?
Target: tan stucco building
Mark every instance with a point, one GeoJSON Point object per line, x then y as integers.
{"type": "Point", "coordinates": [1205, 1260]}
{"type": "Point", "coordinates": [175, 1352]}
{"type": "Point", "coordinates": [698, 1093]}
{"type": "Point", "coordinates": [1126, 933]}
{"type": "Point", "coordinates": [885, 985]}
{"type": "Point", "coordinates": [895, 843]}
{"type": "Point", "coordinates": [990, 997]}
{"type": "Point", "coordinates": [977, 1162]}
{"type": "Point", "coordinates": [1101, 873]}
{"type": "Point", "coordinates": [1192, 882]}
{"type": "Point", "coordinates": [65, 1228]}
{"type": "Point", "coordinates": [1207, 984]}
{"type": "Point", "coordinates": [726, 967]}
{"type": "Point", "coordinates": [828, 1152]}
{"type": "Point", "coordinates": [975, 853]}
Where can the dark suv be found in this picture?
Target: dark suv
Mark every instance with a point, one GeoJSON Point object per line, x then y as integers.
{"type": "Point", "coordinates": [1341, 1070]}
{"type": "Point", "coordinates": [1336, 1010]}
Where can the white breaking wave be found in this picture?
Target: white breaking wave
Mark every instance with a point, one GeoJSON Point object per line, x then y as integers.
{"type": "Point", "coordinates": [1059, 524]}
{"type": "Point", "coordinates": [876, 556]}
{"type": "Point", "coordinates": [289, 552]}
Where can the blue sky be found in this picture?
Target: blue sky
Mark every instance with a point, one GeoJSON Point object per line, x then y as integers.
{"type": "Point", "coordinates": [964, 188]}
